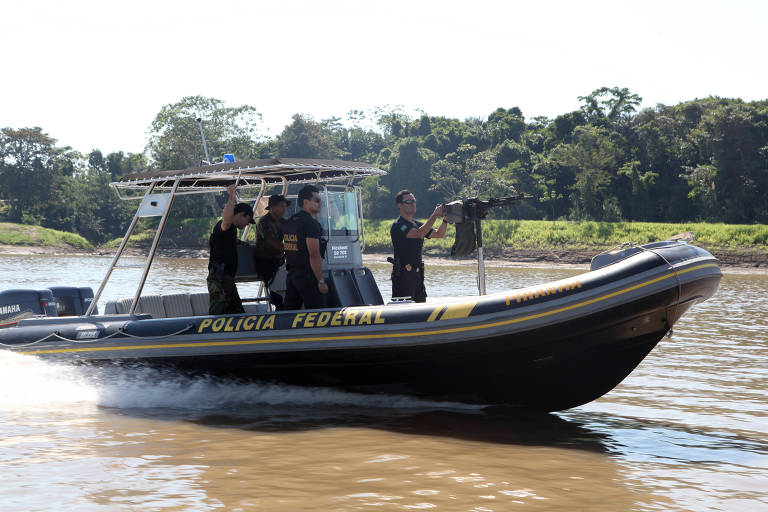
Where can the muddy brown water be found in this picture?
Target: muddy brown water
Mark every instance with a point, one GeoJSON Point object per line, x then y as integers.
{"type": "Point", "coordinates": [687, 430]}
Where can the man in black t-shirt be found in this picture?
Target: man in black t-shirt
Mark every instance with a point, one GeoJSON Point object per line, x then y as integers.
{"type": "Point", "coordinates": [222, 265]}
{"type": "Point", "coordinates": [301, 241]}
{"type": "Point", "coordinates": [407, 240]}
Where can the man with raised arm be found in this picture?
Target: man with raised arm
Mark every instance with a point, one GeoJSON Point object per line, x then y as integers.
{"type": "Point", "coordinates": [222, 265]}
{"type": "Point", "coordinates": [407, 240]}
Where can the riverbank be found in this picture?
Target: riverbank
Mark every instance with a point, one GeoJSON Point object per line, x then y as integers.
{"type": "Point", "coordinates": [506, 242]}
{"type": "Point", "coordinates": [731, 261]}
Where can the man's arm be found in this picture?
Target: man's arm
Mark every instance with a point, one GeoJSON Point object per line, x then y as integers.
{"type": "Point", "coordinates": [427, 226]}
{"type": "Point", "coordinates": [316, 262]}
{"type": "Point", "coordinates": [440, 232]}
{"type": "Point", "coordinates": [229, 208]}
{"type": "Point", "coordinates": [272, 235]}
{"type": "Point", "coordinates": [273, 242]}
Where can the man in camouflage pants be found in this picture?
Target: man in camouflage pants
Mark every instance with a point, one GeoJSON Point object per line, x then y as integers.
{"type": "Point", "coordinates": [222, 265]}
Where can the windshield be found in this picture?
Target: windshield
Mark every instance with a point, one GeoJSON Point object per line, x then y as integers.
{"type": "Point", "coordinates": [341, 208]}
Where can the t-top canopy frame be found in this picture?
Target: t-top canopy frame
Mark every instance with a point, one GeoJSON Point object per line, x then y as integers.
{"type": "Point", "coordinates": [197, 180]}
{"type": "Point", "coordinates": [247, 174]}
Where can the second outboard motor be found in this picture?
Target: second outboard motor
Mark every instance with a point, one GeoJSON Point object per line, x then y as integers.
{"type": "Point", "coordinates": [71, 300]}
{"type": "Point", "coordinates": [18, 304]}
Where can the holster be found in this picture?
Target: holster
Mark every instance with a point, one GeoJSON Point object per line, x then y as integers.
{"type": "Point", "coordinates": [395, 267]}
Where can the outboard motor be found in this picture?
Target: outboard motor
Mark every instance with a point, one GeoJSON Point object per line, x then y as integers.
{"type": "Point", "coordinates": [71, 300]}
{"type": "Point", "coordinates": [18, 304]}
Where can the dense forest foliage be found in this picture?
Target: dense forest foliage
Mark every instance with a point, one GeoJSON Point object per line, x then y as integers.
{"type": "Point", "coordinates": [701, 160]}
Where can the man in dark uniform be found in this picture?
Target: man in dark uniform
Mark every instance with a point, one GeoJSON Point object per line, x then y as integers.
{"type": "Point", "coordinates": [222, 265]}
{"type": "Point", "coordinates": [407, 239]}
{"type": "Point", "coordinates": [302, 236]}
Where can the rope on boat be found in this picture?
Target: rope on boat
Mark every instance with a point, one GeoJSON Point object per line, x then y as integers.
{"type": "Point", "coordinates": [14, 345]}
{"type": "Point", "coordinates": [121, 330]}
{"type": "Point", "coordinates": [182, 331]}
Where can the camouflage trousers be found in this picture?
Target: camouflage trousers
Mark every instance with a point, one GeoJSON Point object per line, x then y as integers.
{"type": "Point", "coordinates": [223, 296]}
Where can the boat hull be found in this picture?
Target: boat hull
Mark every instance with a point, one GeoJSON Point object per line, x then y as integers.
{"type": "Point", "coordinates": [549, 347]}
{"type": "Point", "coordinates": [551, 368]}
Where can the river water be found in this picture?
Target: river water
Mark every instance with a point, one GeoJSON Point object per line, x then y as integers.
{"type": "Point", "coordinates": [687, 431]}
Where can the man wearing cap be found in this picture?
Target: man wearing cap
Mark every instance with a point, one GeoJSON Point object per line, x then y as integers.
{"type": "Point", "coordinates": [269, 229]}
{"type": "Point", "coordinates": [222, 265]}
{"type": "Point", "coordinates": [268, 252]}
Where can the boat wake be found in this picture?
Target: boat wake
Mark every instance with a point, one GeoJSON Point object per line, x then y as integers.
{"type": "Point", "coordinates": [140, 387]}
{"type": "Point", "coordinates": [27, 383]}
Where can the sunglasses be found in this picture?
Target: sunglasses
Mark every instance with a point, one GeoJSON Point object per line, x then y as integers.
{"type": "Point", "coordinates": [409, 201]}
{"type": "Point", "coordinates": [316, 199]}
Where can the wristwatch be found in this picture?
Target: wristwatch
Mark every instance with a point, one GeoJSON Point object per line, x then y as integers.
{"type": "Point", "coordinates": [322, 281]}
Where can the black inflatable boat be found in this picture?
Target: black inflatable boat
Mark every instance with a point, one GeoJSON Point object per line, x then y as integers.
{"type": "Point", "coordinates": [552, 346]}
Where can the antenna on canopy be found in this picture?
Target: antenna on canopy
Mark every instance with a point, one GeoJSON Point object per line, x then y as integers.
{"type": "Point", "coordinates": [202, 134]}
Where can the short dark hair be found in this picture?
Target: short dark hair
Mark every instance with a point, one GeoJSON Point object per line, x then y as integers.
{"type": "Point", "coordinates": [306, 193]}
{"type": "Point", "coordinates": [246, 209]}
{"type": "Point", "coordinates": [400, 195]}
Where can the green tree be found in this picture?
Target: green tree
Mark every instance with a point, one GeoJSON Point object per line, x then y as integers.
{"type": "Point", "coordinates": [175, 142]}
{"type": "Point", "coordinates": [506, 124]}
{"type": "Point", "coordinates": [594, 158]}
{"type": "Point", "coordinates": [409, 167]}
{"type": "Point", "coordinates": [609, 104]}
{"type": "Point", "coordinates": [29, 162]}
{"type": "Point", "coordinates": [304, 138]}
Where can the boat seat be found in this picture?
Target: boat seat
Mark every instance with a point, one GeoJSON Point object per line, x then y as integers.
{"type": "Point", "coordinates": [151, 304]}
{"type": "Point", "coordinates": [171, 306]}
{"type": "Point", "coordinates": [343, 289]}
{"type": "Point", "coordinates": [123, 305]}
{"type": "Point", "coordinates": [177, 305]}
{"type": "Point", "coordinates": [258, 308]}
{"type": "Point", "coordinates": [111, 307]}
{"type": "Point", "coordinates": [353, 287]}
{"type": "Point", "coordinates": [366, 285]}
{"type": "Point", "coordinates": [148, 304]}
{"type": "Point", "coordinates": [200, 303]}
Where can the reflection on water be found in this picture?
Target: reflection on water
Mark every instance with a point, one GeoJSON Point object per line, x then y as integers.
{"type": "Point", "coordinates": [686, 431]}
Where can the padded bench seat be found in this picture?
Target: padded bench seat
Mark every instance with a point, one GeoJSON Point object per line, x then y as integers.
{"type": "Point", "coordinates": [172, 306]}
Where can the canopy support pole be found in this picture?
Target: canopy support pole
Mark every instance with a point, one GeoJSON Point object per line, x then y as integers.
{"type": "Point", "coordinates": [153, 249]}
{"type": "Point", "coordinates": [117, 255]}
{"type": "Point", "coordinates": [480, 261]}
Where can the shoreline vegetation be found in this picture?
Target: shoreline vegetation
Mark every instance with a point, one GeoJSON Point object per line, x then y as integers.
{"type": "Point", "coordinates": [506, 242]}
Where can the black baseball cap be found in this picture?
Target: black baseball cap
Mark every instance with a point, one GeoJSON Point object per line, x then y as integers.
{"type": "Point", "coordinates": [246, 209]}
{"type": "Point", "coordinates": [277, 198]}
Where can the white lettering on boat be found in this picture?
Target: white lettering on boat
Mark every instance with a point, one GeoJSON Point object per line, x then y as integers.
{"type": "Point", "coordinates": [11, 308]}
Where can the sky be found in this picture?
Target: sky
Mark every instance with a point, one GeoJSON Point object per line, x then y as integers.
{"type": "Point", "coordinates": [94, 74]}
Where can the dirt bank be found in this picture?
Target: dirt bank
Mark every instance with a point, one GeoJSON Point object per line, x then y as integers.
{"type": "Point", "coordinates": [732, 260]}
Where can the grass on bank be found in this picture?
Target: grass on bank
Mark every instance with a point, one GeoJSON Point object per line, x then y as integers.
{"type": "Point", "coordinates": [514, 234]}
{"type": "Point", "coordinates": [497, 235]}
{"type": "Point", "coordinates": [23, 234]}
{"type": "Point", "coordinates": [565, 235]}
